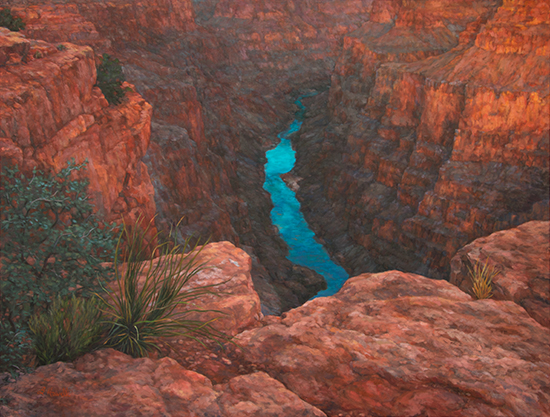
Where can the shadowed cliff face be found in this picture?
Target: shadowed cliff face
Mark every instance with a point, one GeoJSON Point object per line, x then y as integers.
{"type": "Point", "coordinates": [220, 94]}
{"type": "Point", "coordinates": [417, 155]}
{"type": "Point", "coordinates": [419, 146]}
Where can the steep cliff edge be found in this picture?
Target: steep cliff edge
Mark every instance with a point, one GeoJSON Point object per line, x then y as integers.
{"type": "Point", "coordinates": [388, 344]}
{"type": "Point", "coordinates": [50, 112]}
{"type": "Point", "coordinates": [419, 155]}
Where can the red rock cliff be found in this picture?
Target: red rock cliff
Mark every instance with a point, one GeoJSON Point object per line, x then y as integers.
{"type": "Point", "coordinates": [424, 154]}
{"type": "Point", "coordinates": [51, 112]}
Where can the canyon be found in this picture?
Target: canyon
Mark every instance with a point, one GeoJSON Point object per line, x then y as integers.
{"type": "Point", "coordinates": [424, 150]}
{"type": "Point", "coordinates": [399, 154]}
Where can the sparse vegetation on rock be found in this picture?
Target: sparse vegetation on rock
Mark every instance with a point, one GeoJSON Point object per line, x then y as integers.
{"type": "Point", "coordinates": [110, 78]}
{"type": "Point", "coordinates": [7, 20]}
{"type": "Point", "coordinates": [139, 313]}
{"type": "Point", "coordinates": [482, 280]}
{"type": "Point", "coordinates": [70, 328]}
{"type": "Point", "coordinates": [52, 245]}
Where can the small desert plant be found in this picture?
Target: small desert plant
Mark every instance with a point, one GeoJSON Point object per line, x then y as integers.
{"type": "Point", "coordinates": [70, 328]}
{"type": "Point", "coordinates": [141, 312]}
{"type": "Point", "coordinates": [8, 21]}
{"type": "Point", "coordinates": [110, 78]}
{"type": "Point", "coordinates": [482, 279]}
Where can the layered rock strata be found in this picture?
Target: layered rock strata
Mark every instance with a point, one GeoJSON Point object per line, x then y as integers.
{"type": "Point", "coordinates": [425, 148]}
{"type": "Point", "coordinates": [208, 137]}
{"type": "Point", "coordinates": [50, 113]}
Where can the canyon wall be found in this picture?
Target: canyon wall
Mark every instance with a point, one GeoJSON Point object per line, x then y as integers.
{"type": "Point", "coordinates": [435, 132]}
{"type": "Point", "coordinates": [219, 93]}
{"type": "Point", "coordinates": [50, 113]}
{"type": "Point", "coordinates": [417, 148]}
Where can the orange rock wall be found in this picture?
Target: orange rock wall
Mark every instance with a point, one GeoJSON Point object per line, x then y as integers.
{"type": "Point", "coordinates": [431, 152]}
{"type": "Point", "coordinates": [51, 112]}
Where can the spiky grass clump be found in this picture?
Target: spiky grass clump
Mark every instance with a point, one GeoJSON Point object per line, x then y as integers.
{"type": "Point", "coordinates": [70, 328]}
{"type": "Point", "coordinates": [138, 314]}
{"type": "Point", "coordinates": [482, 279]}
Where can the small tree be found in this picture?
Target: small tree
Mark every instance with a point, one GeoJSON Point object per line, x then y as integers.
{"type": "Point", "coordinates": [52, 244]}
{"type": "Point", "coordinates": [110, 78]}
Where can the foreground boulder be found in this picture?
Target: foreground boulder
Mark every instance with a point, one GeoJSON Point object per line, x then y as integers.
{"type": "Point", "coordinates": [397, 344]}
{"type": "Point", "coordinates": [110, 383]}
{"type": "Point", "coordinates": [522, 258]}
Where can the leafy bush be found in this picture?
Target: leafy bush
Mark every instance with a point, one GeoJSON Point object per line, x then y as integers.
{"type": "Point", "coordinates": [52, 244]}
{"type": "Point", "coordinates": [482, 280]}
{"type": "Point", "coordinates": [8, 21]}
{"type": "Point", "coordinates": [70, 328]}
{"type": "Point", "coordinates": [15, 346]}
{"type": "Point", "coordinates": [139, 313]}
{"type": "Point", "coordinates": [110, 79]}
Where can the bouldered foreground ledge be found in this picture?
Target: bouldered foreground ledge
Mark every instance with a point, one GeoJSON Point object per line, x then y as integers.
{"type": "Point", "coordinates": [387, 344]}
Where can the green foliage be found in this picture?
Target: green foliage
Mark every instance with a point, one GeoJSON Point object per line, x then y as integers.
{"type": "Point", "coordinates": [141, 312]}
{"type": "Point", "coordinates": [52, 242]}
{"type": "Point", "coordinates": [15, 346]}
{"type": "Point", "coordinates": [110, 79]}
{"type": "Point", "coordinates": [8, 21]}
{"type": "Point", "coordinates": [482, 280]}
{"type": "Point", "coordinates": [70, 328]}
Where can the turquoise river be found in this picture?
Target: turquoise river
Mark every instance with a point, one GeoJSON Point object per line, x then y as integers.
{"type": "Point", "coordinates": [286, 214]}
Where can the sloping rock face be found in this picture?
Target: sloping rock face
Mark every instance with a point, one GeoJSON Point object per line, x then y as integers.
{"type": "Point", "coordinates": [50, 113]}
{"type": "Point", "coordinates": [110, 383]}
{"type": "Point", "coordinates": [404, 345]}
{"type": "Point", "coordinates": [517, 254]}
{"type": "Point", "coordinates": [227, 270]}
{"type": "Point", "coordinates": [425, 148]}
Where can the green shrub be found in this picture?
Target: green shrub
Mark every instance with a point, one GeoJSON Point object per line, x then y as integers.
{"type": "Point", "coordinates": [8, 21]}
{"type": "Point", "coordinates": [15, 347]}
{"type": "Point", "coordinates": [140, 313]}
{"type": "Point", "coordinates": [52, 244]}
{"type": "Point", "coordinates": [482, 280]}
{"type": "Point", "coordinates": [70, 328]}
{"type": "Point", "coordinates": [110, 78]}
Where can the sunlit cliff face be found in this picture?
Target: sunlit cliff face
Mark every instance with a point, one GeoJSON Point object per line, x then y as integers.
{"type": "Point", "coordinates": [433, 131]}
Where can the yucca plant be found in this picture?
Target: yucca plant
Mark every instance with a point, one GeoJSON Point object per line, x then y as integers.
{"type": "Point", "coordinates": [482, 279]}
{"type": "Point", "coordinates": [70, 328]}
{"type": "Point", "coordinates": [140, 313]}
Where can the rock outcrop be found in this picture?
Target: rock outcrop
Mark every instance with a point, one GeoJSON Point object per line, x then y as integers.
{"type": "Point", "coordinates": [404, 345]}
{"type": "Point", "coordinates": [517, 254]}
{"type": "Point", "coordinates": [387, 344]}
{"type": "Point", "coordinates": [110, 383]}
{"type": "Point", "coordinates": [425, 148]}
{"type": "Point", "coordinates": [50, 113]}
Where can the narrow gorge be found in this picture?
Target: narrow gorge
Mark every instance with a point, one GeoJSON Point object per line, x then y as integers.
{"type": "Point", "coordinates": [398, 142]}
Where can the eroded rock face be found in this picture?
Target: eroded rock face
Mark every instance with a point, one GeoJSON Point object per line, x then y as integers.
{"type": "Point", "coordinates": [521, 255]}
{"type": "Point", "coordinates": [425, 148]}
{"type": "Point", "coordinates": [51, 112]}
{"type": "Point", "coordinates": [402, 344]}
{"type": "Point", "coordinates": [109, 383]}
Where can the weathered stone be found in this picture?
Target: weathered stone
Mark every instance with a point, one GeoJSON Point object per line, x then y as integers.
{"type": "Point", "coordinates": [521, 257]}
{"type": "Point", "coordinates": [402, 344]}
{"type": "Point", "coordinates": [110, 383]}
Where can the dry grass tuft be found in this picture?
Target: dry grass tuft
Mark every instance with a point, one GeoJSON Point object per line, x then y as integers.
{"type": "Point", "coordinates": [482, 279]}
